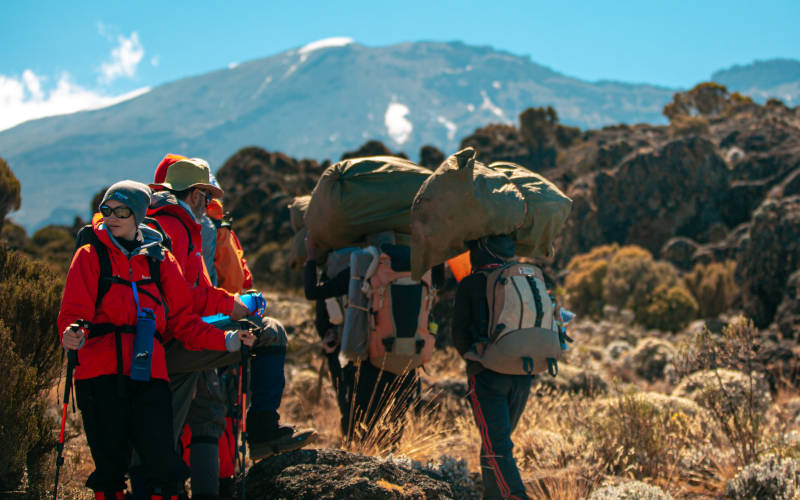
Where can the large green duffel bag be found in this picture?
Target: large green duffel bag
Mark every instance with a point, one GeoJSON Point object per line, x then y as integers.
{"type": "Point", "coordinates": [361, 196]}
{"type": "Point", "coordinates": [465, 199]}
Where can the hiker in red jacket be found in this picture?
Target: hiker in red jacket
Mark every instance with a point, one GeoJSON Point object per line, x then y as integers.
{"type": "Point", "coordinates": [121, 413]}
{"type": "Point", "coordinates": [185, 194]}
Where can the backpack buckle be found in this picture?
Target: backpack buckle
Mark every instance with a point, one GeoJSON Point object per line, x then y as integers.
{"type": "Point", "coordinates": [388, 344]}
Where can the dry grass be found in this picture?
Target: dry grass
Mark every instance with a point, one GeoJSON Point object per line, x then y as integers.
{"type": "Point", "coordinates": [565, 444]}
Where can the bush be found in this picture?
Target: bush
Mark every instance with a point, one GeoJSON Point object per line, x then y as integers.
{"type": "Point", "coordinates": [667, 308]}
{"type": "Point", "coordinates": [649, 358]}
{"type": "Point", "coordinates": [772, 478]}
{"type": "Point", "coordinates": [629, 277]}
{"type": "Point", "coordinates": [9, 191]}
{"type": "Point", "coordinates": [637, 436]}
{"type": "Point", "coordinates": [690, 125]}
{"type": "Point", "coordinates": [726, 391]}
{"type": "Point", "coordinates": [631, 490]}
{"type": "Point", "coordinates": [713, 287]}
{"type": "Point", "coordinates": [30, 295]}
{"type": "Point", "coordinates": [730, 383]}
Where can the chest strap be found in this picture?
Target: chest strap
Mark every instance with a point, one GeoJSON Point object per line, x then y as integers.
{"type": "Point", "coordinates": [103, 329]}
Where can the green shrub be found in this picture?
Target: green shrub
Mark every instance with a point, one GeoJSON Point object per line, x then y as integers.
{"type": "Point", "coordinates": [9, 191]}
{"type": "Point", "coordinates": [713, 287]}
{"type": "Point", "coordinates": [584, 283]}
{"type": "Point", "coordinates": [30, 296]}
{"type": "Point", "coordinates": [667, 308]}
{"type": "Point", "coordinates": [633, 275]}
{"type": "Point", "coordinates": [629, 278]}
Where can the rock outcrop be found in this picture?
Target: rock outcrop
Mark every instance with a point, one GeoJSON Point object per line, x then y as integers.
{"type": "Point", "coordinates": [339, 475]}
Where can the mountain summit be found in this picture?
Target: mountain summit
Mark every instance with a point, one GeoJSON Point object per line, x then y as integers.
{"type": "Point", "coordinates": [315, 101]}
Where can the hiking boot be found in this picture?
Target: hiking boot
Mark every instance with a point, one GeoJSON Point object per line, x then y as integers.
{"type": "Point", "coordinates": [266, 438]}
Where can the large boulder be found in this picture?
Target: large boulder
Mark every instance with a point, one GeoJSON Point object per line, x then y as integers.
{"type": "Point", "coordinates": [787, 315]}
{"type": "Point", "coordinates": [339, 475]}
{"type": "Point", "coordinates": [770, 255]}
{"type": "Point", "coordinates": [655, 194]}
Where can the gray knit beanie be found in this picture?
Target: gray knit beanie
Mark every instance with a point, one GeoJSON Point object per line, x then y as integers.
{"type": "Point", "coordinates": [133, 194]}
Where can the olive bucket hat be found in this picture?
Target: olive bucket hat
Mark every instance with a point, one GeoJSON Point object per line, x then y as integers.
{"type": "Point", "coordinates": [189, 173]}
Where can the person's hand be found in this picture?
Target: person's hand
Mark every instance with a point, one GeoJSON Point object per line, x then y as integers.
{"type": "Point", "coordinates": [247, 338]}
{"type": "Point", "coordinates": [239, 309]}
{"type": "Point", "coordinates": [311, 248]}
{"type": "Point", "coordinates": [330, 342]}
{"type": "Point", "coordinates": [73, 337]}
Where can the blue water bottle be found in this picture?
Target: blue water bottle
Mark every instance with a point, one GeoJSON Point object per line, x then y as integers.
{"type": "Point", "coordinates": [143, 345]}
{"type": "Point", "coordinates": [255, 302]}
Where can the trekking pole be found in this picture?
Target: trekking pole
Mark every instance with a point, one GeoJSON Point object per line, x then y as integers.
{"type": "Point", "coordinates": [72, 362]}
{"type": "Point", "coordinates": [244, 383]}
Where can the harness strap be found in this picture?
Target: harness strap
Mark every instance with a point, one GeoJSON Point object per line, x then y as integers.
{"type": "Point", "coordinates": [102, 329]}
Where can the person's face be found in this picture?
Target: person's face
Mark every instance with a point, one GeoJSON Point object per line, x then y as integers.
{"type": "Point", "coordinates": [198, 201]}
{"type": "Point", "coordinates": [120, 227]}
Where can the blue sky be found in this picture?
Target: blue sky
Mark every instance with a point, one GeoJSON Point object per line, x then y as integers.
{"type": "Point", "coordinates": [59, 56]}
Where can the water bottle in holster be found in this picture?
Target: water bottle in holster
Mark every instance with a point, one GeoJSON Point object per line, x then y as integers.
{"type": "Point", "coordinates": [143, 345]}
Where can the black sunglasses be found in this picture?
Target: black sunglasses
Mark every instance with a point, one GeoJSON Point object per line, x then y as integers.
{"type": "Point", "coordinates": [120, 212]}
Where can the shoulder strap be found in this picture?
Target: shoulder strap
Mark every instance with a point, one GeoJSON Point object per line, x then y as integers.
{"type": "Point", "coordinates": [155, 275]}
{"type": "Point", "coordinates": [103, 259]}
{"type": "Point", "coordinates": [190, 248]}
{"type": "Point", "coordinates": [166, 241]}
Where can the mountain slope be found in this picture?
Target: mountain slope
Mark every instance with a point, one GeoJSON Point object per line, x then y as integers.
{"type": "Point", "coordinates": [779, 78]}
{"type": "Point", "coordinates": [307, 103]}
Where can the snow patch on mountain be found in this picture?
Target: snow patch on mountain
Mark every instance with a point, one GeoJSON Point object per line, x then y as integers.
{"type": "Point", "coordinates": [487, 104]}
{"type": "Point", "coordinates": [450, 126]}
{"type": "Point", "coordinates": [397, 125]}
{"type": "Point", "coordinates": [336, 41]}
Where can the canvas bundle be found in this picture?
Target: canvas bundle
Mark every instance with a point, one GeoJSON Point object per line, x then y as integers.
{"type": "Point", "coordinates": [465, 199]}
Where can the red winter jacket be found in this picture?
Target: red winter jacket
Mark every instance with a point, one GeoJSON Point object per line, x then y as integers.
{"type": "Point", "coordinates": [187, 246]}
{"type": "Point", "coordinates": [98, 356]}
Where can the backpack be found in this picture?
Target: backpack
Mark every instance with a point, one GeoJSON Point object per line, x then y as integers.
{"type": "Point", "coordinates": [105, 278]}
{"type": "Point", "coordinates": [229, 259]}
{"type": "Point", "coordinates": [336, 262]}
{"type": "Point", "coordinates": [399, 308]}
{"type": "Point", "coordinates": [524, 332]}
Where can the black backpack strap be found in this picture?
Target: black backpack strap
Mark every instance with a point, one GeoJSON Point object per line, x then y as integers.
{"type": "Point", "coordinates": [155, 275]}
{"type": "Point", "coordinates": [166, 241]}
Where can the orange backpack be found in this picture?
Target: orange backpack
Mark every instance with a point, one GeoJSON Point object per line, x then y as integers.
{"type": "Point", "coordinates": [399, 339]}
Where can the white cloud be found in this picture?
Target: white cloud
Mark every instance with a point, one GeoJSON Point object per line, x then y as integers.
{"type": "Point", "coordinates": [125, 57]}
{"type": "Point", "coordinates": [397, 125]}
{"type": "Point", "coordinates": [23, 99]}
{"type": "Point", "coordinates": [336, 41]}
{"type": "Point", "coordinates": [155, 60]}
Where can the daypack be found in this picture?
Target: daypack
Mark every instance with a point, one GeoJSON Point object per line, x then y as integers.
{"type": "Point", "coordinates": [335, 263]}
{"type": "Point", "coordinates": [229, 261]}
{"type": "Point", "coordinates": [523, 333]}
{"type": "Point", "coordinates": [387, 316]}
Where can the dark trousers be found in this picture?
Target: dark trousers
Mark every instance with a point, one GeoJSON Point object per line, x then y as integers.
{"type": "Point", "coordinates": [497, 403]}
{"type": "Point", "coordinates": [120, 415]}
{"type": "Point", "coordinates": [375, 396]}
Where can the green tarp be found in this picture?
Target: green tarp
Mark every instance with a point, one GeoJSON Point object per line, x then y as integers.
{"type": "Point", "coordinates": [464, 200]}
{"type": "Point", "coordinates": [361, 196]}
